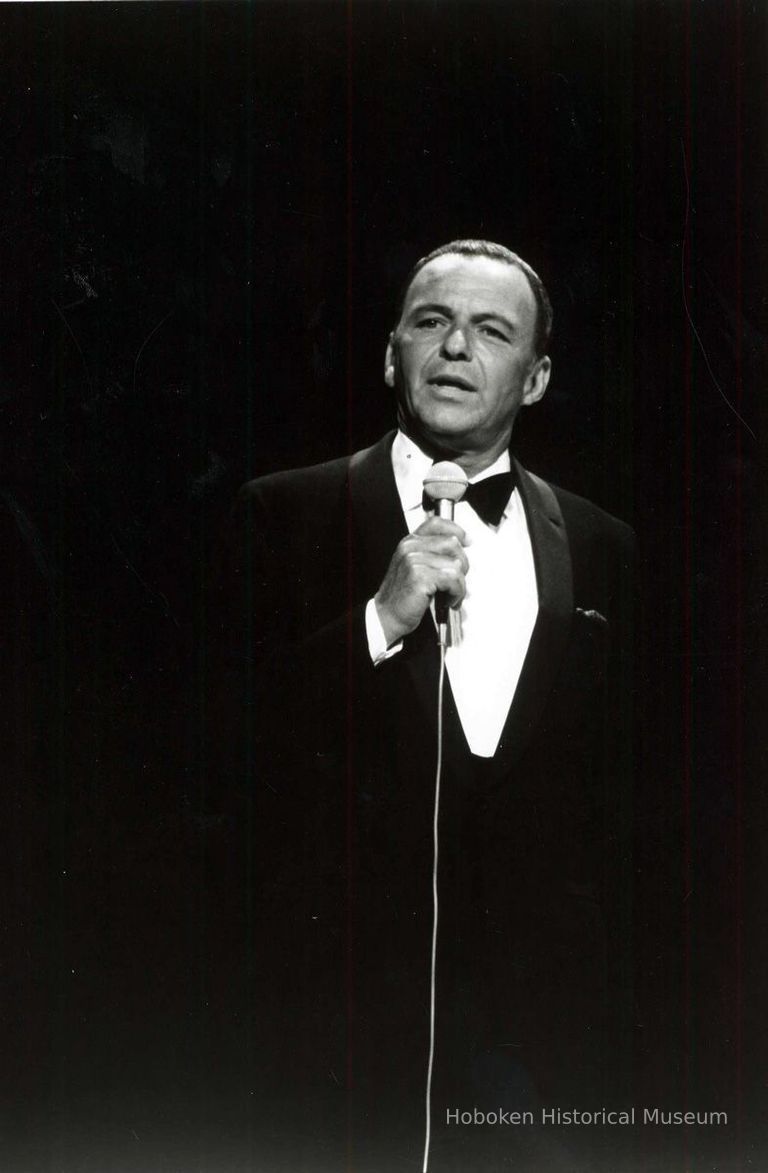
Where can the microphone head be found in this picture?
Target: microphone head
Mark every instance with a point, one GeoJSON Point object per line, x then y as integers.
{"type": "Point", "coordinates": [445, 481]}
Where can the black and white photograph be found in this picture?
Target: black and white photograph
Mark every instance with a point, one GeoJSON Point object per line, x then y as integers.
{"type": "Point", "coordinates": [383, 589]}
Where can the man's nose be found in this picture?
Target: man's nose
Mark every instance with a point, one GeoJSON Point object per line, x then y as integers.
{"type": "Point", "coordinates": [456, 343]}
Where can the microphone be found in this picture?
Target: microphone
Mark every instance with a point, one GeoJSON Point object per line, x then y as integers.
{"type": "Point", "coordinates": [445, 484]}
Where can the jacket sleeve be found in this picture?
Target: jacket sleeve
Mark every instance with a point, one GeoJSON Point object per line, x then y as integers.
{"type": "Point", "coordinates": [290, 658]}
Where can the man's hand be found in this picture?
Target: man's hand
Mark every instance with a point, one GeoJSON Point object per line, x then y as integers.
{"type": "Point", "coordinates": [429, 560]}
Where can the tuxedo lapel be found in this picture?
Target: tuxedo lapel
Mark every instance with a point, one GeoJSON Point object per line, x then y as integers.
{"type": "Point", "coordinates": [377, 517]}
{"type": "Point", "coordinates": [554, 580]}
{"type": "Point", "coordinates": [378, 525]}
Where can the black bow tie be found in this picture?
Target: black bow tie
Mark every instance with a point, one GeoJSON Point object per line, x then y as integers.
{"type": "Point", "coordinates": [488, 497]}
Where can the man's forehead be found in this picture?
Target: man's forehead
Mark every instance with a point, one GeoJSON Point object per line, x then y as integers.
{"type": "Point", "coordinates": [484, 278]}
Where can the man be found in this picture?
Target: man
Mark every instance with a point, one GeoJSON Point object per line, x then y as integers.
{"type": "Point", "coordinates": [337, 568]}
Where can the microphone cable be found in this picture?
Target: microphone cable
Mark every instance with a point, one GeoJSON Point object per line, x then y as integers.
{"type": "Point", "coordinates": [445, 484]}
{"type": "Point", "coordinates": [433, 962]}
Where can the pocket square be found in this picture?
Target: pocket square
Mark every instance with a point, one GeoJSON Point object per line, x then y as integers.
{"type": "Point", "coordinates": [595, 616]}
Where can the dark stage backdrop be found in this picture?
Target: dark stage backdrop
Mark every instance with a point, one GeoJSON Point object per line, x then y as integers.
{"type": "Point", "coordinates": [207, 211]}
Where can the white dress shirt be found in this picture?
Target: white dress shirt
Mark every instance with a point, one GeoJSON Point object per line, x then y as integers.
{"type": "Point", "coordinates": [499, 609]}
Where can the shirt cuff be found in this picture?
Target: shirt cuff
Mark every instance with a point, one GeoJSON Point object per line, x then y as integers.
{"type": "Point", "coordinates": [377, 641]}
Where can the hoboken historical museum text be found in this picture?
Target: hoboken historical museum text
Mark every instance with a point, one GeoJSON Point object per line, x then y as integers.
{"type": "Point", "coordinates": [577, 1116]}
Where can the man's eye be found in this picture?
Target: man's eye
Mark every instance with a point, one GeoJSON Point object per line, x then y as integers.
{"type": "Point", "coordinates": [494, 332]}
{"type": "Point", "coordinates": [428, 323]}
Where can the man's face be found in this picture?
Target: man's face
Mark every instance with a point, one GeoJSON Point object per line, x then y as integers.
{"type": "Point", "coordinates": [462, 357]}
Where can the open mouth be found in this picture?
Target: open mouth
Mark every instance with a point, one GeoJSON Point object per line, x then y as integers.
{"type": "Point", "coordinates": [451, 381]}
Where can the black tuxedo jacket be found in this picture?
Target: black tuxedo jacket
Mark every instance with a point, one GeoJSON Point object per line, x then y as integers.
{"type": "Point", "coordinates": [336, 759]}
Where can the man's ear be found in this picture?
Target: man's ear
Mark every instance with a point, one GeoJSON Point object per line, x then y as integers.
{"type": "Point", "coordinates": [389, 362]}
{"type": "Point", "coordinates": [538, 377]}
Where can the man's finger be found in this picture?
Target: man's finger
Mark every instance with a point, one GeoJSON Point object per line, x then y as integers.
{"type": "Point", "coordinates": [435, 552]}
{"type": "Point", "coordinates": [440, 525]}
{"type": "Point", "coordinates": [450, 580]}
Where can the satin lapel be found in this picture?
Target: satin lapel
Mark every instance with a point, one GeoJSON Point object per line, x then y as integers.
{"type": "Point", "coordinates": [554, 579]}
{"type": "Point", "coordinates": [376, 515]}
{"type": "Point", "coordinates": [378, 525]}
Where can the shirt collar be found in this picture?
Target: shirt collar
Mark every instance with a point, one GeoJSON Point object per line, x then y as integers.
{"type": "Point", "coordinates": [410, 465]}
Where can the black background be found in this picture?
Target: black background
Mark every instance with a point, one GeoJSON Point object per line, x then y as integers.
{"type": "Point", "coordinates": [207, 213]}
